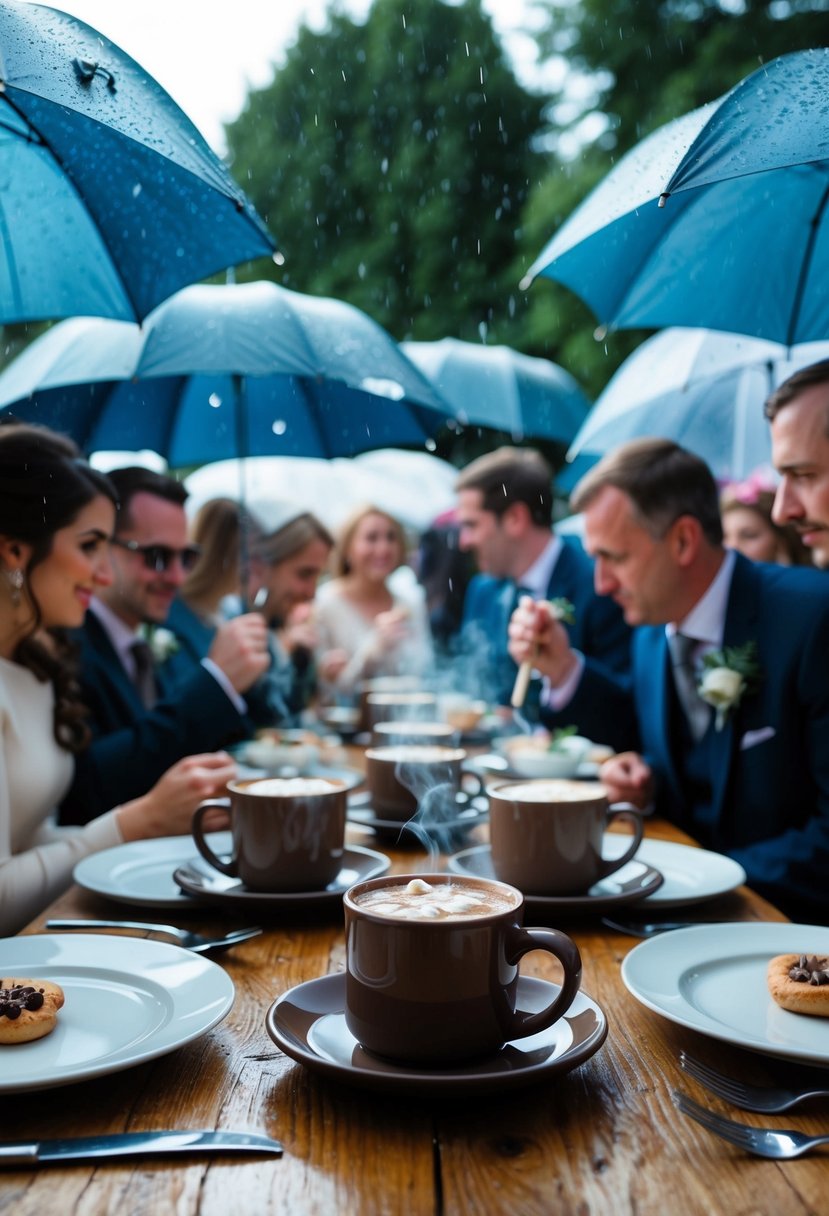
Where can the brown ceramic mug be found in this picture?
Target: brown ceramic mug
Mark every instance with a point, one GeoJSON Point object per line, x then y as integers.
{"type": "Point", "coordinates": [387, 734]}
{"type": "Point", "coordinates": [432, 974]}
{"type": "Point", "coordinates": [382, 684]}
{"type": "Point", "coordinates": [400, 776]}
{"type": "Point", "coordinates": [288, 833]}
{"type": "Point", "coordinates": [390, 706]}
{"type": "Point", "coordinates": [546, 835]}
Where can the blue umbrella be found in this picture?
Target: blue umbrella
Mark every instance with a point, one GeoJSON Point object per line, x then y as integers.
{"type": "Point", "coordinates": [235, 370]}
{"type": "Point", "coordinates": [718, 219]}
{"type": "Point", "coordinates": [498, 387]}
{"type": "Point", "coordinates": [702, 388]}
{"type": "Point", "coordinates": [110, 199]}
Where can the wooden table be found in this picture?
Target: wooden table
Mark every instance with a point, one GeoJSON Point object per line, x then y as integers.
{"type": "Point", "coordinates": [605, 1138]}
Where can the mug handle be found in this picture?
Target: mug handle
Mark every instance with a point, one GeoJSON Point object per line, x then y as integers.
{"type": "Point", "coordinates": [520, 942]}
{"type": "Point", "coordinates": [224, 867]}
{"type": "Point", "coordinates": [629, 811]}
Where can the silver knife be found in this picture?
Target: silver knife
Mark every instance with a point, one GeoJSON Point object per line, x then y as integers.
{"type": "Point", "coordinates": [134, 1144]}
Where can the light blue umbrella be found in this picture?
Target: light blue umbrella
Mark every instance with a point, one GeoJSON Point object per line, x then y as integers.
{"type": "Point", "coordinates": [498, 387]}
{"type": "Point", "coordinates": [718, 219]}
{"type": "Point", "coordinates": [110, 199]}
{"type": "Point", "coordinates": [702, 388]}
{"type": "Point", "coordinates": [233, 370]}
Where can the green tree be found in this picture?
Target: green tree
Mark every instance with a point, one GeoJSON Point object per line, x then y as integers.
{"type": "Point", "coordinates": [393, 160]}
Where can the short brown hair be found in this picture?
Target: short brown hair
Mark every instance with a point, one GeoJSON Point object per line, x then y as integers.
{"type": "Point", "coordinates": [789, 390]}
{"type": "Point", "coordinates": [340, 564]}
{"type": "Point", "coordinates": [509, 475]}
{"type": "Point", "coordinates": [137, 480]}
{"type": "Point", "coordinates": [663, 481]}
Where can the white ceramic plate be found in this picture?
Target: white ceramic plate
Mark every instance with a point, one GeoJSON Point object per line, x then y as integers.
{"type": "Point", "coordinates": [142, 872]}
{"type": "Point", "coordinates": [712, 978]}
{"type": "Point", "coordinates": [123, 1006]}
{"type": "Point", "coordinates": [691, 875]}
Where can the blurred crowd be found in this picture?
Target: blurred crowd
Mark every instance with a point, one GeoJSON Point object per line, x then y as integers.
{"type": "Point", "coordinates": [138, 645]}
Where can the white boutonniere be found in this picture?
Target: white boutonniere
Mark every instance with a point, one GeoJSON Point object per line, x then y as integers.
{"type": "Point", "coordinates": [563, 610]}
{"type": "Point", "coordinates": [726, 676]}
{"type": "Point", "coordinates": [162, 642]}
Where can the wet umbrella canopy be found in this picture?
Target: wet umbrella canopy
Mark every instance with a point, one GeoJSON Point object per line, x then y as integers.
{"type": "Point", "coordinates": [703, 388]}
{"type": "Point", "coordinates": [498, 387]}
{"type": "Point", "coordinates": [740, 241]}
{"type": "Point", "coordinates": [218, 371]}
{"type": "Point", "coordinates": [110, 199]}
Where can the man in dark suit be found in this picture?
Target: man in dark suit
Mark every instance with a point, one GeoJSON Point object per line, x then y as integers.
{"type": "Point", "coordinates": [730, 682]}
{"type": "Point", "coordinates": [142, 721]}
{"type": "Point", "coordinates": [799, 415]}
{"type": "Point", "coordinates": [505, 508]}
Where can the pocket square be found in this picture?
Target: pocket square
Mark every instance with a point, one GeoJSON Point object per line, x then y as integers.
{"type": "Point", "coordinates": [752, 737]}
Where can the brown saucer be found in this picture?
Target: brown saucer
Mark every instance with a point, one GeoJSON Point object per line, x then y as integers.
{"type": "Point", "coordinates": [202, 882]}
{"type": "Point", "coordinates": [446, 835]}
{"type": "Point", "coordinates": [628, 885]}
{"type": "Point", "coordinates": [308, 1024]}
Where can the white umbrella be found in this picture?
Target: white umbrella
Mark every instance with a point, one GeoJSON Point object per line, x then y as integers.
{"type": "Point", "coordinates": [703, 388]}
{"type": "Point", "coordinates": [412, 486]}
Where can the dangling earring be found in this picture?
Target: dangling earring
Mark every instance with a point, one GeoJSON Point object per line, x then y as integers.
{"type": "Point", "coordinates": [15, 581]}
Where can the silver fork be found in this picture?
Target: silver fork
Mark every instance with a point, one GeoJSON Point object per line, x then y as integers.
{"type": "Point", "coordinates": [762, 1141]}
{"type": "Point", "coordinates": [764, 1099]}
{"type": "Point", "coordinates": [183, 937]}
{"type": "Point", "coordinates": [641, 928]}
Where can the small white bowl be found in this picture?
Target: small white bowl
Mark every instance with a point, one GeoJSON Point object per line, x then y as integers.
{"type": "Point", "coordinates": [275, 755]}
{"type": "Point", "coordinates": [534, 759]}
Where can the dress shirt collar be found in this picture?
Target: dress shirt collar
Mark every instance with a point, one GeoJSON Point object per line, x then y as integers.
{"type": "Point", "coordinates": [706, 620]}
{"type": "Point", "coordinates": [119, 634]}
{"type": "Point", "coordinates": [536, 580]}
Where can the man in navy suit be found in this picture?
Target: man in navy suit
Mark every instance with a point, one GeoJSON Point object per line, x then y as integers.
{"type": "Point", "coordinates": [505, 506]}
{"type": "Point", "coordinates": [744, 768]}
{"type": "Point", "coordinates": [799, 415]}
{"type": "Point", "coordinates": [142, 721]}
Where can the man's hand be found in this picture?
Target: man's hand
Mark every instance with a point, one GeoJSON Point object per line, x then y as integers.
{"type": "Point", "coordinates": [240, 648]}
{"type": "Point", "coordinates": [628, 778]}
{"type": "Point", "coordinates": [167, 810]}
{"type": "Point", "coordinates": [537, 637]}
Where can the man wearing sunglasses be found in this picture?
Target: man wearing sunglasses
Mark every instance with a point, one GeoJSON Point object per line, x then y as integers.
{"type": "Point", "coordinates": [142, 720]}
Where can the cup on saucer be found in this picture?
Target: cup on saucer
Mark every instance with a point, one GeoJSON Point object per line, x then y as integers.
{"type": "Point", "coordinates": [288, 832]}
{"type": "Point", "coordinates": [546, 835]}
{"type": "Point", "coordinates": [432, 967]}
{"type": "Point", "coordinates": [401, 776]}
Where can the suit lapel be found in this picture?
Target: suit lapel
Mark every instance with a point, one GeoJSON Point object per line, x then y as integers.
{"type": "Point", "coordinates": [563, 581]}
{"type": "Point", "coordinates": [740, 627]}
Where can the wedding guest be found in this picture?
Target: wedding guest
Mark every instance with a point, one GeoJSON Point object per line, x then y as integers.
{"type": "Point", "coordinates": [224, 532]}
{"type": "Point", "coordinates": [287, 561]}
{"type": "Point", "coordinates": [724, 726]}
{"type": "Point", "coordinates": [745, 509]}
{"type": "Point", "coordinates": [365, 628]}
{"type": "Point", "coordinates": [799, 416]}
{"type": "Point", "coordinates": [505, 512]}
{"type": "Point", "coordinates": [444, 571]}
{"type": "Point", "coordinates": [56, 519]}
{"type": "Point", "coordinates": [142, 719]}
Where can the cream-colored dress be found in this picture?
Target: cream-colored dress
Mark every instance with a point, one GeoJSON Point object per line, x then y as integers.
{"type": "Point", "coordinates": [36, 857]}
{"type": "Point", "coordinates": [341, 626]}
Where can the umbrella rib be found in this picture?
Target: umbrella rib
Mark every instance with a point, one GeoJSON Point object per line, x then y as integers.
{"type": "Point", "coordinates": [805, 267]}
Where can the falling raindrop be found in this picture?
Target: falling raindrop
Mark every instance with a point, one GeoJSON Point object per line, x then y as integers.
{"type": "Point", "coordinates": [214, 401]}
{"type": "Point", "coordinates": [279, 427]}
